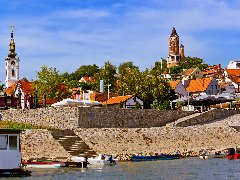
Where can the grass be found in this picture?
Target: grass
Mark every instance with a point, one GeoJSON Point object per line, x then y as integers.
{"type": "Point", "coordinates": [18, 126]}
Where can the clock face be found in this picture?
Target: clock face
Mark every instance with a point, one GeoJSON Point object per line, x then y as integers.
{"type": "Point", "coordinates": [12, 63]}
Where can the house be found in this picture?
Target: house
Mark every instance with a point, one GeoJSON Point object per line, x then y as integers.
{"type": "Point", "coordinates": [128, 102]}
{"type": "Point", "coordinates": [233, 75]}
{"type": "Point", "coordinates": [10, 155]}
{"type": "Point", "coordinates": [179, 88]}
{"type": "Point", "coordinates": [193, 73]}
{"type": "Point", "coordinates": [213, 71]}
{"type": "Point", "coordinates": [227, 87]}
{"type": "Point", "coordinates": [26, 91]}
{"type": "Point", "coordinates": [234, 64]}
{"type": "Point", "coordinates": [205, 85]}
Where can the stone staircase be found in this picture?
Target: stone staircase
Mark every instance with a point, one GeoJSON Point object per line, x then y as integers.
{"type": "Point", "coordinates": [72, 143]}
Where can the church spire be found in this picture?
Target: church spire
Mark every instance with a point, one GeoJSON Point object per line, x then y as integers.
{"type": "Point", "coordinates": [12, 53]}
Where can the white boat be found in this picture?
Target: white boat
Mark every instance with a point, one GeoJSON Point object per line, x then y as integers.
{"type": "Point", "coordinates": [215, 155]}
{"type": "Point", "coordinates": [100, 160]}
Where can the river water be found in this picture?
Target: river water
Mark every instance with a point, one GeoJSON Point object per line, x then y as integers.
{"type": "Point", "coordinates": [186, 168]}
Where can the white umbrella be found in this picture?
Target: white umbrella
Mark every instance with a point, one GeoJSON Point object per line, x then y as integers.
{"type": "Point", "coordinates": [91, 103]}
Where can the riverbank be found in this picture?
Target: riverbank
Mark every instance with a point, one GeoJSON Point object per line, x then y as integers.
{"type": "Point", "coordinates": [123, 142]}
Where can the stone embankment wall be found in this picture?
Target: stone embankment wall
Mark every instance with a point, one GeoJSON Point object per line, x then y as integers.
{"type": "Point", "coordinates": [70, 118]}
{"type": "Point", "coordinates": [59, 118]}
{"type": "Point", "coordinates": [124, 142]}
{"type": "Point", "coordinates": [127, 118]}
{"type": "Point", "coordinates": [41, 144]}
{"type": "Point", "coordinates": [207, 117]}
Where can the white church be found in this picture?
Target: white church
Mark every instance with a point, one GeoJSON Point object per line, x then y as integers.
{"type": "Point", "coordinates": [12, 63]}
{"type": "Point", "coordinates": [15, 86]}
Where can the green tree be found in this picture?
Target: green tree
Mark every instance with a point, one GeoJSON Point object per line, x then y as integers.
{"type": "Point", "coordinates": [160, 66]}
{"type": "Point", "coordinates": [127, 80]}
{"type": "Point", "coordinates": [49, 81]}
{"type": "Point", "coordinates": [190, 62]}
{"type": "Point", "coordinates": [2, 86]}
{"type": "Point", "coordinates": [108, 74]}
{"type": "Point", "coordinates": [86, 70]}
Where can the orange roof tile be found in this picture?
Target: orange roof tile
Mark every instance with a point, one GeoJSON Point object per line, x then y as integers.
{"type": "Point", "coordinates": [198, 85]}
{"type": "Point", "coordinates": [117, 99]}
{"type": "Point", "coordinates": [189, 71]}
{"type": "Point", "coordinates": [27, 87]}
{"type": "Point", "coordinates": [235, 72]}
{"type": "Point", "coordinates": [174, 83]}
{"type": "Point", "coordinates": [11, 89]}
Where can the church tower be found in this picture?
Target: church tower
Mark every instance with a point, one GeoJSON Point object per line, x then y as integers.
{"type": "Point", "coordinates": [175, 53]}
{"type": "Point", "coordinates": [12, 63]}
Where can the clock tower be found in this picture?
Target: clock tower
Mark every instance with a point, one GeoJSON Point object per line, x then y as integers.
{"type": "Point", "coordinates": [175, 54]}
{"type": "Point", "coordinates": [12, 63]}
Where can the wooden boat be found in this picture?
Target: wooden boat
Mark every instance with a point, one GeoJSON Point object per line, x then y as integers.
{"type": "Point", "coordinates": [157, 157]}
{"type": "Point", "coordinates": [43, 164]}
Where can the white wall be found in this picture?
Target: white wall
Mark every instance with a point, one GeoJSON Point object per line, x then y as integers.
{"type": "Point", "coordinates": [130, 103]}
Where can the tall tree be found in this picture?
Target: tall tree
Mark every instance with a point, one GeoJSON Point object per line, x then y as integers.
{"type": "Point", "coordinates": [49, 81]}
{"type": "Point", "coordinates": [127, 80]}
{"type": "Point", "coordinates": [86, 70]}
{"type": "Point", "coordinates": [108, 74]}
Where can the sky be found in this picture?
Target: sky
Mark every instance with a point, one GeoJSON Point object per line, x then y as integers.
{"type": "Point", "coordinates": [66, 34]}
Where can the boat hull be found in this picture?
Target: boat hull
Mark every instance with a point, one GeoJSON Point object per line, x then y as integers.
{"type": "Point", "coordinates": [209, 156]}
{"type": "Point", "coordinates": [234, 156]}
{"type": "Point", "coordinates": [44, 164]}
{"type": "Point", "coordinates": [153, 158]}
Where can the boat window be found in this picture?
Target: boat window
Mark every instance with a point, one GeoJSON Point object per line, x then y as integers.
{"type": "Point", "coordinates": [3, 142]}
{"type": "Point", "coordinates": [13, 142]}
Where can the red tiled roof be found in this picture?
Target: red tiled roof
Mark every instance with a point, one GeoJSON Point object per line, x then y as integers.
{"type": "Point", "coordinates": [234, 72]}
{"type": "Point", "coordinates": [174, 84]}
{"type": "Point", "coordinates": [198, 85]}
{"type": "Point", "coordinates": [11, 89]}
{"type": "Point", "coordinates": [117, 99]}
{"type": "Point", "coordinates": [189, 71]}
{"type": "Point", "coordinates": [27, 87]}
{"type": "Point", "coordinates": [207, 72]}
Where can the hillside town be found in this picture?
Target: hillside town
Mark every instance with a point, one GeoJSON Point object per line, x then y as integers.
{"type": "Point", "coordinates": [181, 107]}
{"type": "Point", "coordinates": [177, 82]}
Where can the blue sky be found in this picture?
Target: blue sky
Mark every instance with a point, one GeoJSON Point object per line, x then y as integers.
{"type": "Point", "coordinates": [66, 34]}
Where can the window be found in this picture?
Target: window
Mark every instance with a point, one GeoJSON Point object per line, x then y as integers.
{"type": "Point", "coordinates": [3, 142]}
{"type": "Point", "coordinates": [13, 72]}
{"type": "Point", "coordinates": [13, 143]}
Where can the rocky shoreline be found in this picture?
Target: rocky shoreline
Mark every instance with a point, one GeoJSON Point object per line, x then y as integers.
{"type": "Point", "coordinates": [124, 142]}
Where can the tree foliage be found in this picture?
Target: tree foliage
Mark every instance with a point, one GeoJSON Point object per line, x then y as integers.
{"type": "Point", "coordinates": [108, 74]}
{"type": "Point", "coordinates": [49, 81]}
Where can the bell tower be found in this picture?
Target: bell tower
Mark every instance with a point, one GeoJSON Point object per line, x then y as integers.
{"type": "Point", "coordinates": [12, 63]}
{"type": "Point", "coordinates": [175, 53]}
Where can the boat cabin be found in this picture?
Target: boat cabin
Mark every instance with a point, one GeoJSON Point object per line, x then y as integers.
{"type": "Point", "coordinates": [10, 155]}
